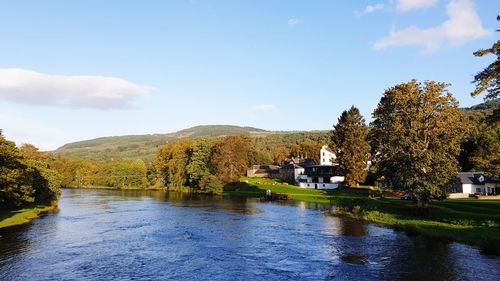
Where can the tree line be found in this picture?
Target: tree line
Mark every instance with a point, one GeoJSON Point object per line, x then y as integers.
{"type": "Point", "coordinates": [417, 142]}
{"type": "Point", "coordinates": [26, 176]}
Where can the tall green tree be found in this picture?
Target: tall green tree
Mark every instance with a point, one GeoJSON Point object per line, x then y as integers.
{"type": "Point", "coordinates": [24, 180]}
{"type": "Point", "coordinates": [199, 153]}
{"type": "Point", "coordinates": [350, 141]}
{"type": "Point", "coordinates": [416, 133]}
{"type": "Point", "coordinates": [230, 159]}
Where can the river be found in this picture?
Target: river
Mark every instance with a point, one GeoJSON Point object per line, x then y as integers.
{"type": "Point", "coordinates": [152, 235]}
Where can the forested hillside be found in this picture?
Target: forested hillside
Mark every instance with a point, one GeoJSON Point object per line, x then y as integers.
{"type": "Point", "coordinates": [145, 146]}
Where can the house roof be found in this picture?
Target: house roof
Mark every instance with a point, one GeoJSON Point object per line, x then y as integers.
{"type": "Point", "coordinates": [291, 166]}
{"type": "Point", "coordinates": [471, 177]}
{"type": "Point", "coordinates": [492, 180]}
{"type": "Point", "coordinates": [328, 149]}
{"type": "Point", "coordinates": [265, 167]}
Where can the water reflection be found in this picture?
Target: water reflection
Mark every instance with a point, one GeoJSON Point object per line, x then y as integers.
{"type": "Point", "coordinates": [151, 235]}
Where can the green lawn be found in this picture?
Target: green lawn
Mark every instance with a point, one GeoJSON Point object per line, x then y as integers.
{"type": "Point", "coordinates": [21, 216]}
{"type": "Point", "coordinates": [471, 221]}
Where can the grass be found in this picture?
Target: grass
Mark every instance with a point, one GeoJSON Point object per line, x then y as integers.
{"type": "Point", "coordinates": [22, 216]}
{"type": "Point", "coordinates": [471, 221]}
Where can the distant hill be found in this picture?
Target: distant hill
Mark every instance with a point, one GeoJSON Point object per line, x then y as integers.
{"type": "Point", "coordinates": [478, 112]}
{"type": "Point", "coordinates": [145, 146]}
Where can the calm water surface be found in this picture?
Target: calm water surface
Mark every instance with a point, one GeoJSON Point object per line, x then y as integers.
{"type": "Point", "coordinates": [140, 235]}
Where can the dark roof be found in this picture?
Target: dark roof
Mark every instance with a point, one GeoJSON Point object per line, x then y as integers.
{"type": "Point", "coordinates": [302, 162]}
{"type": "Point", "coordinates": [492, 180]}
{"type": "Point", "coordinates": [291, 166]}
{"type": "Point", "coordinates": [471, 177]}
{"type": "Point", "coordinates": [265, 167]}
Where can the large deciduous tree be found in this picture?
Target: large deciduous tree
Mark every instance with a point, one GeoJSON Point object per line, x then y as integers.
{"type": "Point", "coordinates": [230, 159]}
{"type": "Point", "coordinates": [349, 139]}
{"type": "Point", "coordinates": [416, 133]}
{"type": "Point", "coordinates": [25, 180]}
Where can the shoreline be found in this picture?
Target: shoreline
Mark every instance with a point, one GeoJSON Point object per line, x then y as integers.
{"type": "Point", "coordinates": [471, 221]}
{"type": "Point", "coordinates": [9, 218]}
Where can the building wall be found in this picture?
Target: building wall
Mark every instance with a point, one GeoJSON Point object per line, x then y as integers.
{"type": "Point", "coordinates": [467, 188]}
{"type": "Point", "coordinates": [297, 172]}
{"type": "Point", "coordinates": [492, 188]}
{"type": "Point", "coordinates": [325, 156]}
{"type": "Point", "coordinates": [319, 185]}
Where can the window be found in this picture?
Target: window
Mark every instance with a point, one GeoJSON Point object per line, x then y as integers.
{"type": "Point", "coordinates": [323, 185]}
{"type": "Point", "coordinates": [478, 189]}
{"type": "Point", "coordinates": [323, 154]}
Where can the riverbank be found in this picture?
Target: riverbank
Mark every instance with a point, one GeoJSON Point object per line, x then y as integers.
{"type": "Point", "coordinates": [22, 216]}
{"type": "Point", "coordinates": [115, 188]}
{"type": "Point", "coordinates": [471, 221]}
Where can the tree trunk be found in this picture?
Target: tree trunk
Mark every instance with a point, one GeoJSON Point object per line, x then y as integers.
{"type": "Point", "coordinates": [422, 207]}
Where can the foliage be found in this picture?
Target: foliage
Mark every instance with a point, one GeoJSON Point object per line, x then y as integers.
{"type": "Point", "coordinates": [230, 159]}
{"type": "Point", "coordinates": [481, 148]}
{"type": "Point", "coordinates": [352, 149]}
{"type": "Point", "coordinates": [489, 78]}
{"type": "Point", "coordinates": [121, 174]}
{"type": "Point", "coordinates": [25, 176]}
{"type": "Point", "coordinates": [416, 134]}
{"type": "Point", "coordinates": [145, 146]}
{"type": "Point", "coordinates": [171, 161]}
{"type": "Point", "coordinates": [210, 184]}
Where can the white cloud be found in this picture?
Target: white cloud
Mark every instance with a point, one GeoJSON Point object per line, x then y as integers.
{"type": "Point", "coordinates": [295, 21]}
{"type": "Point", "coordinates": [30, 87]}
{"type": "Point", "coordinates": [370, 9]}
{"type": "Point", "coordinates": [463, 25]}
{"type": "Point", "coordinates": [262, 108]}
{"type": "Point", "coordinates": [408, 5]}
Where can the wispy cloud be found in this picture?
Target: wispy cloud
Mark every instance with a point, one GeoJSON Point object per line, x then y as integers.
{"type": "Point", "coordinates": [370, 9]}
{"type": "Point", "coordinates": [262, 108]}
{"type": "Point", "coordinates": [295, 21]}
{"type": "Point", "coordinates": [99, 92]}
{"type": "Point", "coordinates": [408, 5]}
{"type": "Point", "coordinates": [463, 25]}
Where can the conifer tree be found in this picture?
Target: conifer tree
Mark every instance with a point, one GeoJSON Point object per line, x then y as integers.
{"type": "Point", "coordinates": [349, 138]}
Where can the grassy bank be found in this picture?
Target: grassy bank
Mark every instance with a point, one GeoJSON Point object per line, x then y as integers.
{"type": "Point", "coordinates": [22, 216]}
{"type": "Point", "coordinates": [471, 221]}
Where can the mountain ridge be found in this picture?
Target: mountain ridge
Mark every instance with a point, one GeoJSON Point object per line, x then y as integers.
{"type": "Point", "coordinates": [144, 146]}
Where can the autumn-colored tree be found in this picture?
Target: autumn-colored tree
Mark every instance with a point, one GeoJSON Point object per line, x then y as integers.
{"type": "Point", "coordinates": [280, 154]}
{"type": "Point", "coordinates": [230, 159]}
{"type": "Point", "coordinates": [351, 147]}
{"type": "Point", "coordinates": [416, 133]}
{"type": "Point", "coordinates": [171, 162]}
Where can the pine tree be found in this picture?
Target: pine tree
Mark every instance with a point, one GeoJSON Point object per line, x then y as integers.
{"type": "Point", "coordinates": [489, 78]}
{"type": "Point", "coordinates": [349, 138]}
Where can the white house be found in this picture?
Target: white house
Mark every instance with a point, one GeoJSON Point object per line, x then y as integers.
{"type": "Point", "coordinates": [327, 156]}
{"type": "Point", "coordinates": [475, 182]}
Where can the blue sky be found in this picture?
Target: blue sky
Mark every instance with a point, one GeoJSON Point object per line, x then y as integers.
{"type": "Point", "coordinates": [73, 70]}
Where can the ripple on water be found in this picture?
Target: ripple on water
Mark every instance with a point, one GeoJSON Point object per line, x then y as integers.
{"type": "Point", "coordinates": [120, 235]}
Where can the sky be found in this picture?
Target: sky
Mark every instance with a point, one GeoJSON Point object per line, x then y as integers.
{"type": "Point", "coordinates": [75, 70]}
